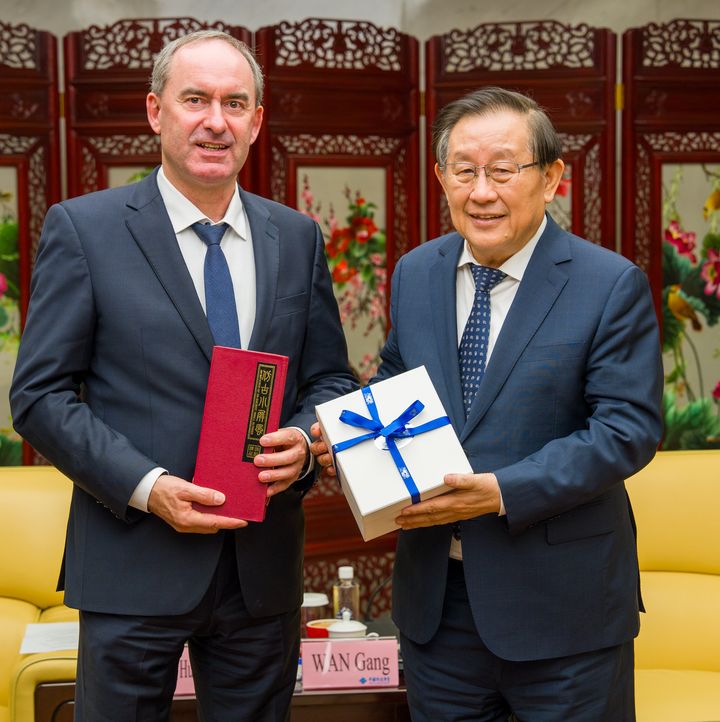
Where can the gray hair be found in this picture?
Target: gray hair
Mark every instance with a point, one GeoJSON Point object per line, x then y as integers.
{"type": "Point", "coordinates": [161, 66]}
{"type": "Point", "coordinates": [545, 144]}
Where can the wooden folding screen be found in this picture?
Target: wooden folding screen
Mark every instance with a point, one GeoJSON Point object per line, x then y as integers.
{"type": "Point", "coordinates": [570, 71]}
{"type": "Point", "coordinates": [671, 78]}
{"type": "Point", "coordinates": [671, 210]}
{"type": "Point", "coordinates": [29, 183]}
{"type": "Point", "coordinates": [342, 95]}
{"type": "Point", "coordinates": [107, 71]}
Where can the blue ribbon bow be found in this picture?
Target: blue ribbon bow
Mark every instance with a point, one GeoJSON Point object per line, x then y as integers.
{"type": "Point", "coordinates": [396, 429]}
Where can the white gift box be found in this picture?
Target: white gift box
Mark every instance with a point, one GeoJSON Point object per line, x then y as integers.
{"type": "Point", "coordinates": [370, 478]}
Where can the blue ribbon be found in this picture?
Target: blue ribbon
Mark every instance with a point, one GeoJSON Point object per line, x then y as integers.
{"type": "Point", "coordinates": [396, 429]}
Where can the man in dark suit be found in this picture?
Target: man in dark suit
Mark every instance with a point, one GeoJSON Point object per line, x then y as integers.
{"type": "Point", "coordinates": [110, 385]}
{"type": "Point", "coordinates": [517, 591]}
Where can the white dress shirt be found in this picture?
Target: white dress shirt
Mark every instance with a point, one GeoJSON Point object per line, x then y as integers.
{"type": "Point", "coordinates": [501, 299]}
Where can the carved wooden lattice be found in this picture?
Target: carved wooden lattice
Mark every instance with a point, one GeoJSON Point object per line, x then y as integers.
{"type": "Point", "coordinates": [519, 46]}
{"type": "Point", "coordinates": [688, 44]}
{"type": "Point", "coordinates": [570, 71]}
{"type": "Point", "coordinates": [672, 115]}
{"type": "Point", "coordinates": [339, 44]}
{"type": "Point", "coordinates": [106, 76]}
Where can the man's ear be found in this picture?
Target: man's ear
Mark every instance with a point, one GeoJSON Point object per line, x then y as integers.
{"type": "Point", "coordinates": [553, 175]}
{"type": "Point", "coordinates": [152, 105]}
{"type": "Point", "coordinates": [441, 177]}
{"type": "Point", "coordinates": [257, 122]}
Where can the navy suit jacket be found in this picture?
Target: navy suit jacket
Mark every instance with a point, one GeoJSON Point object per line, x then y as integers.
{"type": "Point", "coordinates": [110, 382]}
{"type": "Point", "coordinates": [569, 407]}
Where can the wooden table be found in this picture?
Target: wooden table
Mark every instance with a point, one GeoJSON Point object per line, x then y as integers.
{"type": "Point", "coordinates": [55, 703]}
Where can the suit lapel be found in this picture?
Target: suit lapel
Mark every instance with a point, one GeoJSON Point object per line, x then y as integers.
{"type": "Point", "coordinates": [442, 283]}
{"type": "Point", "coordinates": [266, 249]}
{"type": "Point", "coordinates": [150, 226]}
{"type": "Point", "coordinates": [541, 285]}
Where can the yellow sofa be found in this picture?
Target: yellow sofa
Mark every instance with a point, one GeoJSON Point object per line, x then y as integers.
{"type": "Point", "coordinates": [34, 503]}
{"type": "Point", "coordinates": [676, 499]}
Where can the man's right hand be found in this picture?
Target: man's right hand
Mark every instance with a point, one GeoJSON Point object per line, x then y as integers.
{"type": "Point", "coordinates": [172, 498]}
{"type": "Point", "coordinates": [320, 451]}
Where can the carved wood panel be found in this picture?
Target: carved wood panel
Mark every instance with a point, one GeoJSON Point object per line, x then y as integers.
{"type": "Point", "coordinates": [671, 211]}
{"type": "Point", "coordinates": [672, 113]}
{"type": "Point", "coordinates": [343, 95]}
{"type": "Point", "coordinates": [570, 71]}
{"type": "Point", "coordinates": [29, 184]}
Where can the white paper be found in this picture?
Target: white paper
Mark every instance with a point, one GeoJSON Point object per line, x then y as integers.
{"type": "Point", "coordinates": [50, 637]}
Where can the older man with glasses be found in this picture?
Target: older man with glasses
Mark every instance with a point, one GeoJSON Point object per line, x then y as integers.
{"type": "Point", "coordinates": [516, 593]}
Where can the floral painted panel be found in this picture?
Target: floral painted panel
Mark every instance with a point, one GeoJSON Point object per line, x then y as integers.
{"type": "Point", "coordinates": [10, 443]}
{"type": "Point", "coordinates": [691, 305]}
{"type": "Point", "coordinates": [349, 205]}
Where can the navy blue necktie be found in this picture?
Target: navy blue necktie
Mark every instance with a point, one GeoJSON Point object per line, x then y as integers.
{"type": "Point", "coordinates": [472, 353]}
{"type": "Point", "coordinates": [219, 295]}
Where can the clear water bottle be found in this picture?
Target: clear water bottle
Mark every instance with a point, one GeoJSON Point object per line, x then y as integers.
{"type": "Point", "coordinates": [346, 594]}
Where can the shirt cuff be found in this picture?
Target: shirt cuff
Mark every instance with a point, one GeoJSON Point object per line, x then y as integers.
{"type": "Point", "coordinates": [502, 511]}
{"type": "Point", "coordinates": [310, 458]}
{"type": "Point", "coordinates": [139, 498]}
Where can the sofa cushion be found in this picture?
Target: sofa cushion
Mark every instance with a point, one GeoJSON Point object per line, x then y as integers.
{"type": "Point", "coordinates": [670, 695]}
{"type": "Point", "coordinates": [59, 613]}
{"type": "Point", "coordinates": [676, 501]}
{"type": "Point", "coordinates": [681, 629]}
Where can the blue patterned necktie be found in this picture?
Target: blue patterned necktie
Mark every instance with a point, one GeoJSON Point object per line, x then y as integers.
{"type": "Point", "coordinates": [472, 353]}
{"type": "Point", "coordinates": [219, 295]}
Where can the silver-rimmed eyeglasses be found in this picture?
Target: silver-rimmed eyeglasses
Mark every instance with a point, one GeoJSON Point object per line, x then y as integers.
{"type": "Point", "coordinates": [498, 173]}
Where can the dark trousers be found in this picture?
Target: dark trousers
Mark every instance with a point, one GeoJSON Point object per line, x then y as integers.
{"type": "Point", "coordinates": [456, 677]}
{"type": "Point", "coordinates": [244, 667]}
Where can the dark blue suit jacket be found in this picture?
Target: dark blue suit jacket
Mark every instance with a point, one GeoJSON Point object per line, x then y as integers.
{"type": "Point", "coordinates": [114, 316]}
{"type": "Point", "coordinates": [569, 407]}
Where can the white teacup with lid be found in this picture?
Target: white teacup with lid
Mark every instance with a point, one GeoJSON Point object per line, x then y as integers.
{"type": "Point", "coordinates": [347, 628]}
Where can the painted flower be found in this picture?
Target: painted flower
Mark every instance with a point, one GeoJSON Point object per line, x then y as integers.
{"type": "Point", "coordinates": [364, 228]}
{"type": "Point", "coordinates": [716, 392]}
{"type": "Point", "coordinates": [309, 199]}
{"type": "Point", "coordinates": [342, 273]}
{"type": "Point", "coordinates": [339, 242]}
{"type": "Point", "coordinates": [684, 241]}
{"type": "Point", "coordinates": [711, 273]}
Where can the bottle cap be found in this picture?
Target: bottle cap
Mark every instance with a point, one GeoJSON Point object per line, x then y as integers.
{"type": "Point", "coordinates": [346, 572]}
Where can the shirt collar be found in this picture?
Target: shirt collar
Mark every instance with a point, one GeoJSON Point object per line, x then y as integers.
{"type": "Point", "coordinates": [515, 266]}
{"type": "Point", "coordinates": [183, 213]}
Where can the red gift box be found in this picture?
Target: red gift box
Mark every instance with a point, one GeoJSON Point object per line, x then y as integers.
{"type": "Point", "coordinates": [242, 403]}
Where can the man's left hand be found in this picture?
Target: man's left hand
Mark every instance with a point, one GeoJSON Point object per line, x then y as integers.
{"type": "Point", "coordinates": [472, 495]}
{"type": "Point", "coordinates": [284, 465]}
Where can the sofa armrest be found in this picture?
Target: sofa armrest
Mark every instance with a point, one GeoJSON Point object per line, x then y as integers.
{"type": "Point", "coordinates": [32, 670]}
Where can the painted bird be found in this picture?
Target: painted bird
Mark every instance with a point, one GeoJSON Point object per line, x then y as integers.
{"type": "Point", "coordinates": [712, 204]}
{"type": "Point", "coordinates": [681, 309]}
